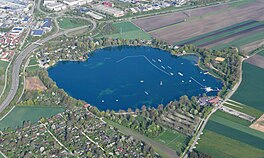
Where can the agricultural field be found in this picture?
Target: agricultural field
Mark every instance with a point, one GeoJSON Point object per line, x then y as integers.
{"type": "Point", "coordinates": [127, 30]}
{"type": "Point", "coordinates": [229, 136]}
{"type": "Point", "coordinates": [173, 139]}
{"type": "Point", "coordinates": [219, 146]}
{"type": "Point", "coordinates": [251, 89]}
{"type": "Point", "coordinates": [24, 113]}
{"type": "Point", "coordinates": [243, 108]}
{"type": "Point", "coordinates": [202, 20]}
{"type": "Point", "coordinates": [68, 23]}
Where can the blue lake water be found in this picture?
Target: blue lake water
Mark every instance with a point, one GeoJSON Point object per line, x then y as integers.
{"type": "Point", "coordinates": [128, 77]}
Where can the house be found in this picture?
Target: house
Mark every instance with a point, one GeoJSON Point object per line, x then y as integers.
{"type": "Point", "coordinates": [215, 100]}
{"type": "Point", "coordinates": [45, 2]}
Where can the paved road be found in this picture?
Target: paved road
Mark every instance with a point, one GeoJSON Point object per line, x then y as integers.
{"type": "Point", "coordinates": [23, 55]}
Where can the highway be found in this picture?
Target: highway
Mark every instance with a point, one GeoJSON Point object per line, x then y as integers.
{"type": "Point", "coordinates": [23, 55]}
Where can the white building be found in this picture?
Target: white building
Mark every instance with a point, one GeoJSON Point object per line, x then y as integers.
{"type": "Point", "coordinates": [76, 2]}
{"type": "Point", "coordinates": [56, 6]}
{"type": "Point", "coordinates": [109, 10]}
{"type": "Point", "coordinates": [45, 2]}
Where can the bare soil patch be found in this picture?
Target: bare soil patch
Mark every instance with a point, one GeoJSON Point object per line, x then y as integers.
{"type": "Point", "coordinates": [259, 124]}
{"type": "Point", "coordinates": [202, 21]}
{"type": "Point", "coordinates": [34, 83]}
{"type": "Point", "coordinates": [256, 60]}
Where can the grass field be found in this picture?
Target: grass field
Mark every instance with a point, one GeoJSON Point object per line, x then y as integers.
{"type": "Point", "coordinates": [127, 30]}
{"type": "Point", "coordinates": [33, 60]}
{"type": "Point", "coordinates": [33, 114]}
{"type": "Point", "coordinates": [251, 89]}
{"type": "Point", "coordinates": [68, 23]}
{"type": "Point", "coordinates": [173, 139]}
{"type": "Point", "coordinates": [219, 146]}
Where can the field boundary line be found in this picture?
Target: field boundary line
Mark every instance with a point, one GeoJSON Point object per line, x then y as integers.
{"type": "Point", "coordinates": [173, 140]}
{"type": "Point", "coordinates": [7, 113]}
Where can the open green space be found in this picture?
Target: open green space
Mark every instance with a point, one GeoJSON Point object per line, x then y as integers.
{"type": "Point", "coordinates": [33, 61]}
{"type": "Point", "coordinates": [68, 23]}
{"type": "Point", "coordinates": [219, 146]}
{"type": "Point", "coordinates": [242, 3]}
{"type": "Point", "coordinates": [173, 139]}
{"type": "Point", "coordinates": [238, 133]}
{"type": "Point", "coordinates": [127, 30]}
{"type": "Point", "coordinates": [251, 89]}
{"type": "Point", "coordinates": [27, 113]}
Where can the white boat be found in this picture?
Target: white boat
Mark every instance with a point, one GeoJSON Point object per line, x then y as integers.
{"type": "Point", "coordinates": [161, 83]}
{"type": "Point", "coordinates": [163, 67]}
{"type": "Point", "coordinates": [182, 63]}
{"type": "Point", "coordinates": [190, 80]}
{"type": "Point", "coordinates": [171, 74]}
{"type": "Point", "coordinates": [159, 60]}
{"type": "Point", "coordinates": [146, 93]}
{"type": "Point", "coordinates": [169, 67]}
{"type": "Point", "coordinates": [208, 89]}
{"type": "Point", "coordinates": [203, 79]}
{"type": "Point", "coordinates": [116, 100]}
{"type": "Point", "coordinates": [141, 81]}
{"type": "Point", "coordinates": [102, 101]}
{"type": "Point", "coordinates": [153, 60]}
{"type": "Point", "coordinates": [180, 74]}
{"type": "Point", "coordinates": [182, 81]}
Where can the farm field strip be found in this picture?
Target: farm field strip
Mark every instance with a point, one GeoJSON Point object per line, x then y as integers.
{"type": "Point", "coordinates": [220, 31]}
{"type": "Point", "coordinates": [242, 40]}
{"type": "Point", "coordinates": [235, 134]}
{"type": "Point", "coordinates": [251, 90]}
{"type": "Point", "coordinates": [232, 35]}
{"type": "Point", "coordinates": [256, 60]}
{"type": "Point", "coordinates": [247, 110]}
{"type": "Point", "coordinates": [232, 118]}
{"type": "Point", "coordinates": [208, 21]}
{"type": "Point", "coordinates": [228, 32]}
{"type": "Point", "coordinates": [237, 126]}
{"type": "Point", "coordinates": [219, 146]}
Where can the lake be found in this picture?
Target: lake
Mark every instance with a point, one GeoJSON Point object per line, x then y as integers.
{"type": "Point", "coordinates": [125, 77]}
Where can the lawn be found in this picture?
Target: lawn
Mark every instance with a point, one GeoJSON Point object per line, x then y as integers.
{"type": "Point", "coordinates": [219, 146]}
{"type": "Point", "coordinates": [127, 30]}
{"type": "Point", "coordinates": [32, 113]}
{"type": "Point", "coordinates": [251, 89]}
{"type": "Point", "coordinates": [68, 23]}
{"type": "Point", "coordinates": [3, 67]}
{"type": "Point", "coordinates": [33, 60]}
{"type": "Point", "coordinates": [173, 139]}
